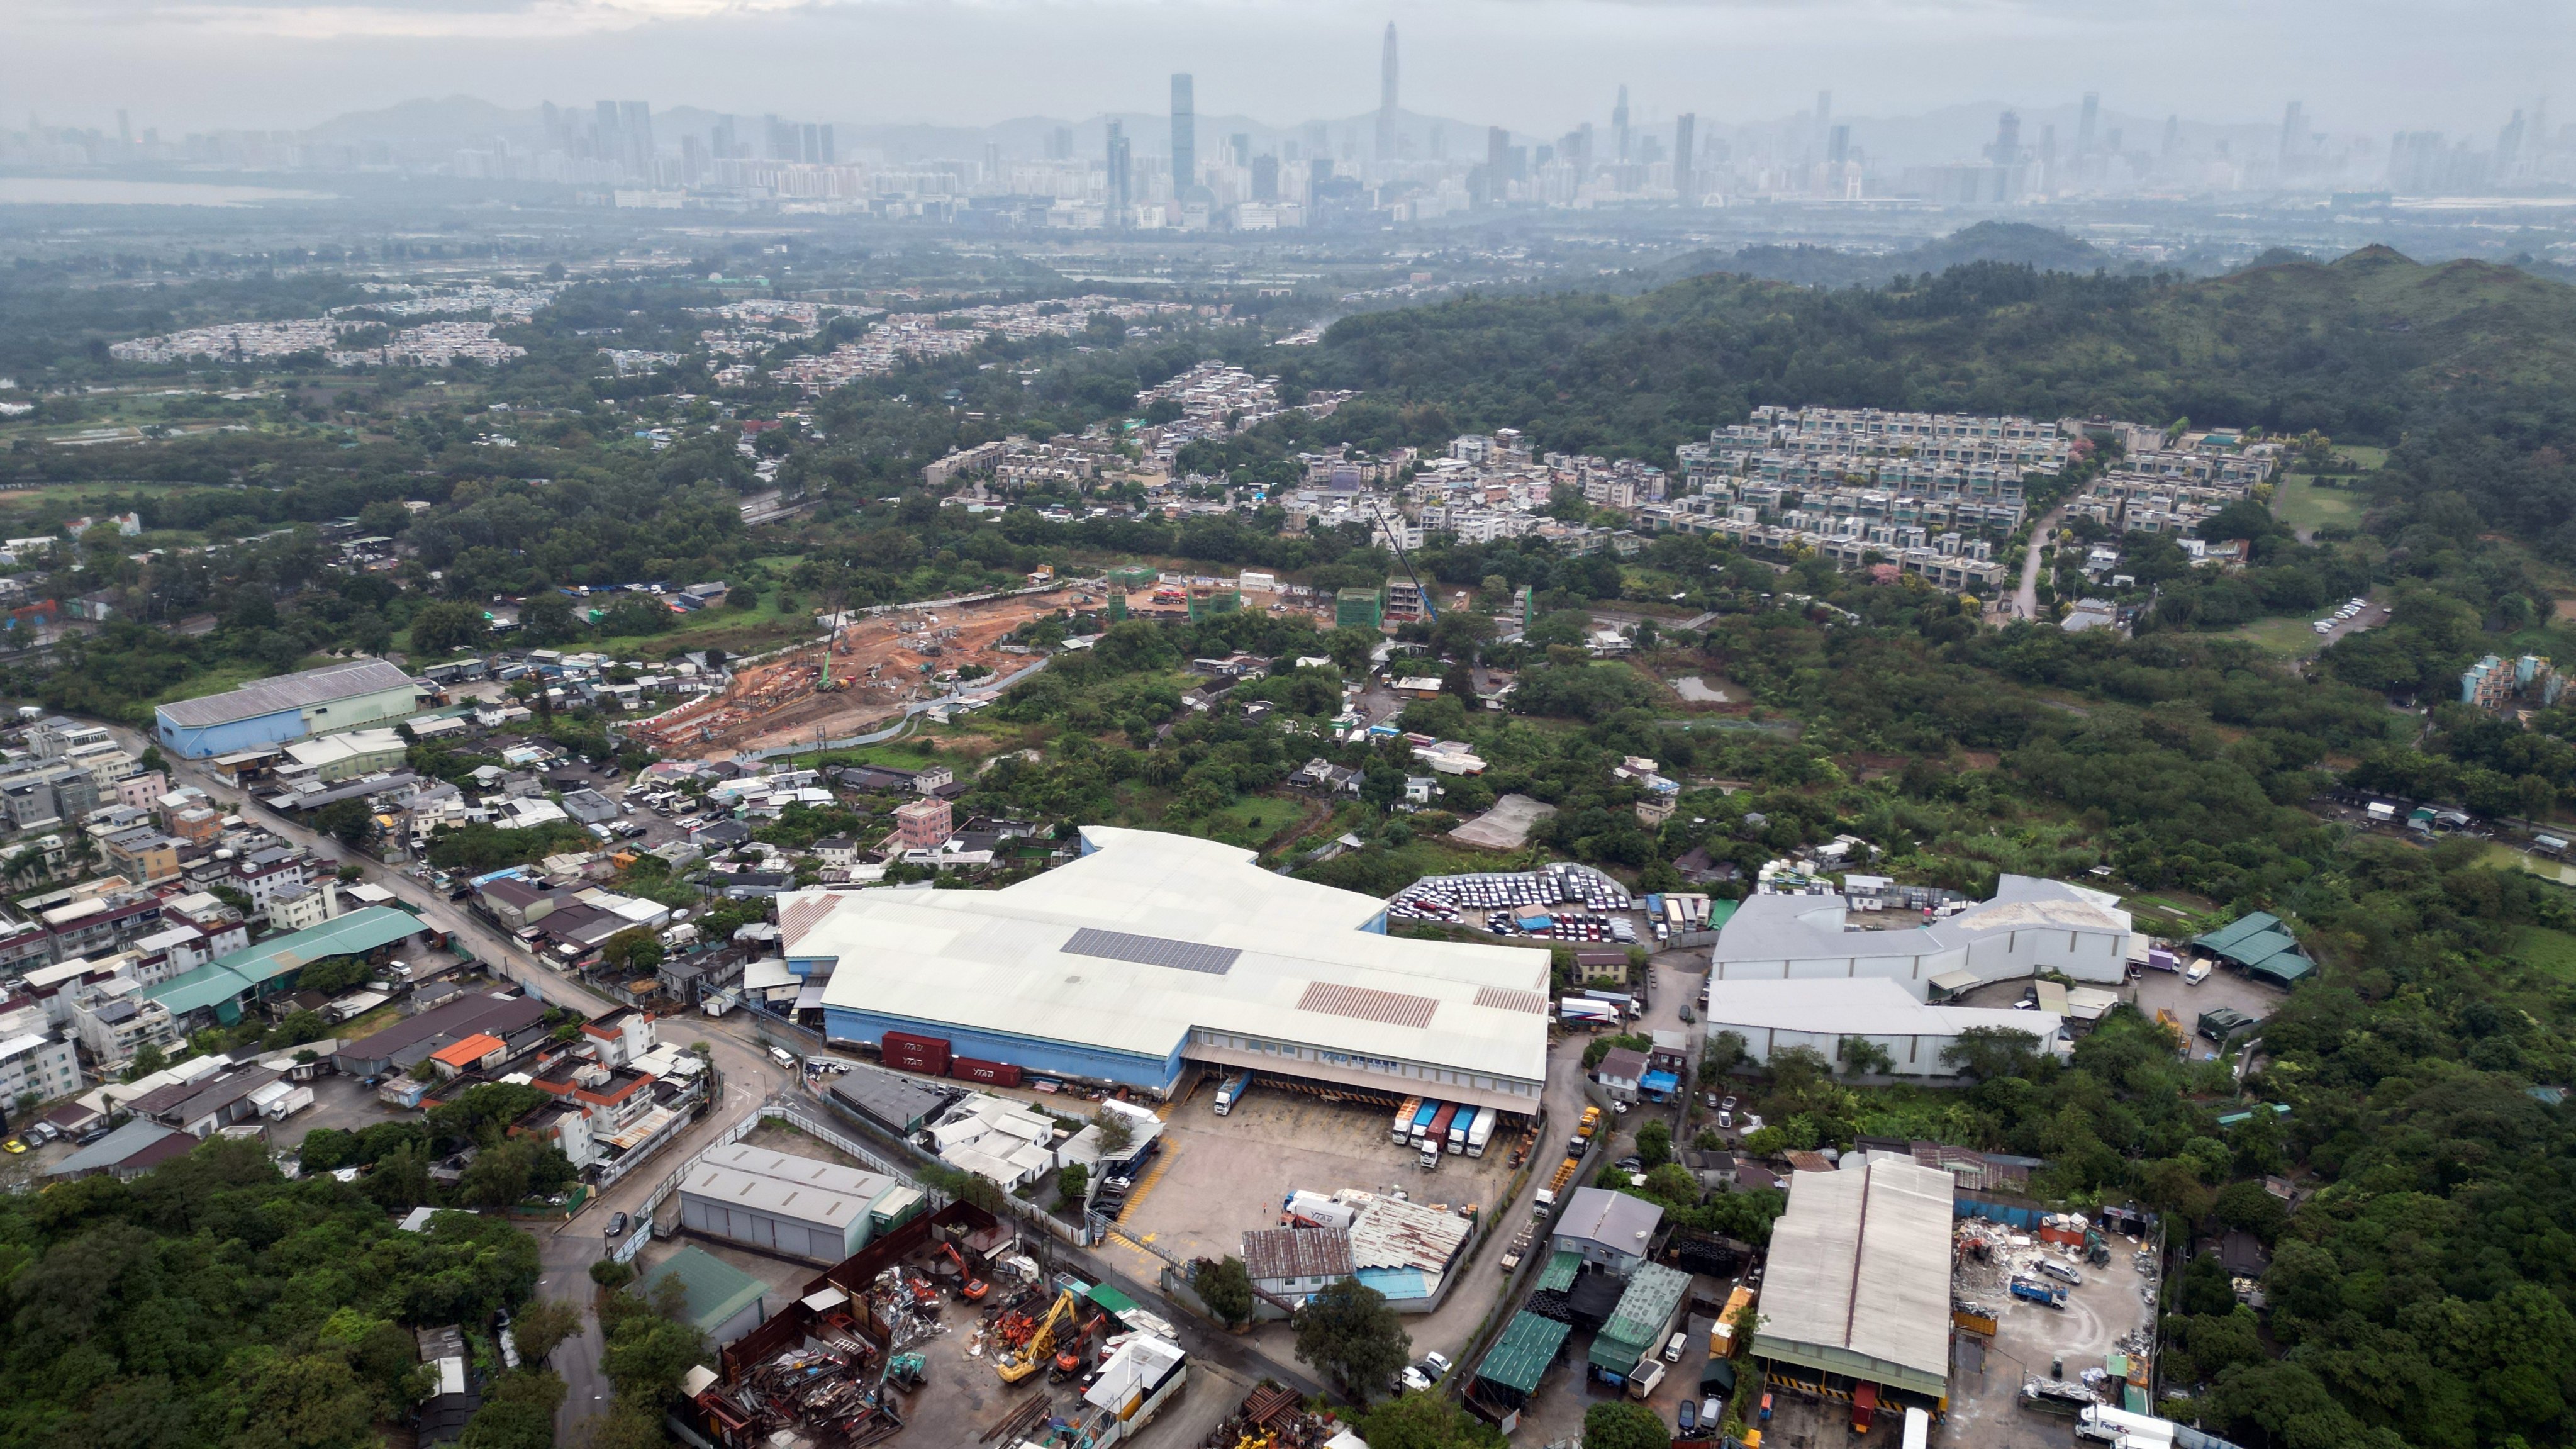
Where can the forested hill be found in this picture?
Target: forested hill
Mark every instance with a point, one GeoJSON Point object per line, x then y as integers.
{"type": "Point", "coordinates": [2015, 243]}
{"type": "Point", "coordinates": [2364, 349]}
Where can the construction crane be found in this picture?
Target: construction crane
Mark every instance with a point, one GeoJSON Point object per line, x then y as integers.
{"type": "Point", "coordinates": [1428, 606]}
{"type": "Point", "coordinates": [1026, 1359]}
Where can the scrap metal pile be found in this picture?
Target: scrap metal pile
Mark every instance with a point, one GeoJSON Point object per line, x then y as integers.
{"type": "Point", "coordinates": [825, 1390]}
{"type": "Point", "coordinates": [1271, 1418]}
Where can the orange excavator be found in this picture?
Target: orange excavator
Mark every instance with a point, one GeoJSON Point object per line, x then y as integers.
{"type": "Point", "coordinates": [1076, 1355]}
{"type": "Point", "coordinates": [969, 1287]}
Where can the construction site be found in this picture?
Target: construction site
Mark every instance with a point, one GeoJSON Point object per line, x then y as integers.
{"type": "Point", "coordinates": [860, 678]}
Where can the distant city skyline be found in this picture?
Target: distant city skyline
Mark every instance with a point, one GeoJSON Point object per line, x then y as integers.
{"type": "Point", "coordinates": [2369, 68]}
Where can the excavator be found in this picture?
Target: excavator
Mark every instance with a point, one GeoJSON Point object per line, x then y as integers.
{"type": "Point", "coordinates": [1026, 1359]}
{"type": "Point", "coordinates": [969, 1287]}
{"type": "Point", "coordinates": [1076, 1356]}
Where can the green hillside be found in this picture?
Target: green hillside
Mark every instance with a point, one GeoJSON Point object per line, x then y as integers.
{"type": "Point", "coordinates": [2362, 348]}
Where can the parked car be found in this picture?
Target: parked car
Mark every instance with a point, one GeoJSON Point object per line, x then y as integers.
{"type": "Point", "coordinates": [617, 1225]}
{"type": "Point", "coordinates": [1631, 1163]}
{"type": "Point", "coordinates": [1686, 1418]}
{"type": "Point", "coordinates": [2061, 1272]}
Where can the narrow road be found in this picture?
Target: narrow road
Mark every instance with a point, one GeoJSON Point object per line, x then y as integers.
{"type": "Point", "coordinates": [747, 1075]}
{"type": "Point", "coordinates": [2026, 598]}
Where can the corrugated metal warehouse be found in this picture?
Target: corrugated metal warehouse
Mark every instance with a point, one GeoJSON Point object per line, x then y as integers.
{"type": "Point", "coordinates": [1152, 951]}
{"type": "Point", "coordinates": [1859, 1285]}
{"type": "Point", "coordinates": [796, 1207]}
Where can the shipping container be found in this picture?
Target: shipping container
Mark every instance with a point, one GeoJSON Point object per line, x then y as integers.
{"type": "Point", "coordinates": [912, 1053]}
{"type": "Point", "coordinates": [971, 1069]}
{"type": "Point", "coordinates": [1403, 1127]}
{"type": "Point", "coordinates": [1422, 1116]}
{"type": "Point", "coordinates": [1483, 1132]}
{"type": "Point", "coordinates": [1466, 1122]}
{"type": "Point", "coordinates": [1436, 1135]}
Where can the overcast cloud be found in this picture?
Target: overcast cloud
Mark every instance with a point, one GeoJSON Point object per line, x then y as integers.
{"type": "Point", "coordinates": [2368, 66]}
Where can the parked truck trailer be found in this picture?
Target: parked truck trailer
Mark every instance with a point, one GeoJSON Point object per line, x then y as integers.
{"type": "Point", "coordinates": [1232, 1092]}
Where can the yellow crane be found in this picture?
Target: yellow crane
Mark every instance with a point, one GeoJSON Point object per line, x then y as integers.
{"type": "Point", "coordinates": [1025, 1360]}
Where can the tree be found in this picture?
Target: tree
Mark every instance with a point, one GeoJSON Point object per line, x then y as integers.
{"type": "Point", "coordinates": [1427, 1421]}
{"type": "Point", "coordinates": [347, 821]}
{"type": "Point", "coordinates": [148, 1058]}
{"type": "Point", "coordinates": [633, 950]}
{"type": "Point", "coordinates": [1072, 1182]}
{"type": "Point", "coordinates": [610, 1273]}
{"type": "Point", "coordinates": [1349, 1333]}
{"type": "Point", "coordinates": [518, 1412]}
{"type": "Point", "coordinates": [1225, 1286]}
{"type": "Point", "coordinates": [548, 618]}
{"type": "Point", "coordinates": [648, 1355]}
{"type": "Point", "coordinates": [543, 1326]}
{"type": "Point", "coordinates": [1117, 1132]}
{"type": "Point", "coordinates": [1655, 1143]}
{"type": "Point", "coordinates": [1619, 1424]}
{"type": "Point", "coordinates": [445, 628]}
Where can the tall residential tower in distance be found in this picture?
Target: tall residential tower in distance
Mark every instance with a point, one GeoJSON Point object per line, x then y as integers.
{"type": "Point", "coordinates": [1386, 98]}
{"type": "Point", "coordinates": [1116, 166]}
{"type": "Point", "coordinates": [1685, 157]}
{"type": "Point", "coordinates": [1185, 137]}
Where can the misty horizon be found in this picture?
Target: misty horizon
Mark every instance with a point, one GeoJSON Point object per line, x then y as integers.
{"type": "Point", "coordinates": [1535, 69]}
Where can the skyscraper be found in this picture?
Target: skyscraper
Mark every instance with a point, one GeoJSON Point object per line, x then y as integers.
{"type": "Point", "coordinates": [1685, 157]}
{"type": "Point", "coordinates": [1619, 121]}
{"type": "Point", "coordinates": [1120, 176]}
{"type": "Point", "coordinates": [1060, 144]}
{"type": "Point", "coordinates": [2007, 148]}
{"type": "Point", "coordinates": [1824, 119]}
{"type": "Point", "coordinates": [2084, 123]}
{"type": "Point", "coordinates": [2173, 136]}
{"type": "Point", "coordinates": [1386, 97]}
{"type": "Point", "coordinates": [2294, 131]}
{"type": "Point", "coordinates": [1498, 162]}
{"type": "Point", "coordinates": [1185, 136]}
{"type": "Point", "coordinates": [1838, 144]}
{"type": "Point", "coordinates": [1265, 177]}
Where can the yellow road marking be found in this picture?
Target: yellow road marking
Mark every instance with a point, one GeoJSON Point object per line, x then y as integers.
{"type": "Point", "coordinates": [1145, 1188]}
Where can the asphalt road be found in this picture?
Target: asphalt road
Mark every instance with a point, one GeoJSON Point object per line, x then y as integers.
{"type": "Point", "coordinates": [2026, 598]}
{"type": "Point", "coordinates": [747, 1075]}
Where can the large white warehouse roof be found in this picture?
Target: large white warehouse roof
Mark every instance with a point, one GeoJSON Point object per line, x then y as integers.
{"type": "Point", "coordinates": [1860, 1275]}
{"type": "Point", "coordinates": [1148, 935]}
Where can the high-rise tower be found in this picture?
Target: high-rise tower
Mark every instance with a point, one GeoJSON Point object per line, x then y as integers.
{"type": "Point", "coordinates": [1386, 97]}
{"type": "Point", "coordinates": [1185, 137]}
{"type": "Point", "coordinates": [1118, 172]}
{"type": "Point", "coordinates": [2085, 121]}
{"type": "Point", "coordinates": [1685, 158]}
{"type": "Point", "coordinates": [1619, 121]}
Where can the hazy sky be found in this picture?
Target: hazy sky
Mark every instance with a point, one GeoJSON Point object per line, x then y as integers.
{"type": "Point", "coordinates": [1538, 65]}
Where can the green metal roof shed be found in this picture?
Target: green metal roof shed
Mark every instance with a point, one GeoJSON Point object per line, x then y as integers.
{"type": "Point", "coordinates": [1644, 1315]}
{"type": "Point", "coordinates": [724, 1302]}
{"type": "Point", "coordinates": [209, 986]}
{"type": "Point", "coordinates": [354, 934]}
{"type": "Point", "coordinates": [1519, 1359]}
{"type": "Point", "coordinates": [2237, 930]}
{"type": "Point", "coordinates": [1559, 1273]}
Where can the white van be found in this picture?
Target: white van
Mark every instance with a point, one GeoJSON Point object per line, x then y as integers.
{"type": "Point", "coordinates": [784, 1057]}
{"type": "Point", "coordinates": [1673, 1350]}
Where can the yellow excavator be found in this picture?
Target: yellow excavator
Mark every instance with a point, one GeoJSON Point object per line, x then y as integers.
{"type": "Point", "coordinates": [1029, 1357]}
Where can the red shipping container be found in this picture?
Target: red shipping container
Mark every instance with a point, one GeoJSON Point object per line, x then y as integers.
{"type": "Point", "coordinates": [927, 1054]}
{"type": "Point", "coordinates": [971, 1069]}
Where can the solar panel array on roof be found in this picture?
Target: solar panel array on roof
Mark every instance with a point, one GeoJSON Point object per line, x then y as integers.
{"type": "Point", "coordinates": [1153, 951]}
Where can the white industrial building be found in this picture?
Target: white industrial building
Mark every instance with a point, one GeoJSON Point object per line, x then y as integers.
{"type": "Point", "coordinates": [1153, 951]}
{"type": "Point", "coordinates": [1858, 1290]}
{"type": "Point", "coordinates": [796, 1207]}
{"type": "Point", "coordinates": [1773, 1016]}
{"type": "Point", "coordinates": [2031, 925]}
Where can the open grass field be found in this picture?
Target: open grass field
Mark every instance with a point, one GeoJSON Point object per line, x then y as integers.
{"type": "Point", "coordinates": [1250, 821]}
{"type": "Point", "coordinates": [2301, 503]}
{"type": "Point", "coordinates": [2287, 638]}
{"type": "Point", "coordinates": [2547, 950]}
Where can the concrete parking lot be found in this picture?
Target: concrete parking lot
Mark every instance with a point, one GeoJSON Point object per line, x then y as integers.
{"type": "Point", "coordinates": [2033, 1341]}
{"type": "Point", "coordinates": [1221, 1176]}
{"type": "Point", "coordinates": [2165, 990]}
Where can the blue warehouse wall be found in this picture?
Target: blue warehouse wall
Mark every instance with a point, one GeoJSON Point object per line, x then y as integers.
{"type": "Point", "coordinates": [206, 741]}
{"type": "Point", "coordinates": [1030, 1054]}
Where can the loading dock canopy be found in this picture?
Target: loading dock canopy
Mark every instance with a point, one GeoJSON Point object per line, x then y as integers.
{"type": "Point", "coordinates": [1519, 1359]}
{"type": "Point", "coordinates": [1859, 1279]}
{"type": "Point", "coordinates": [1951, 983]}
